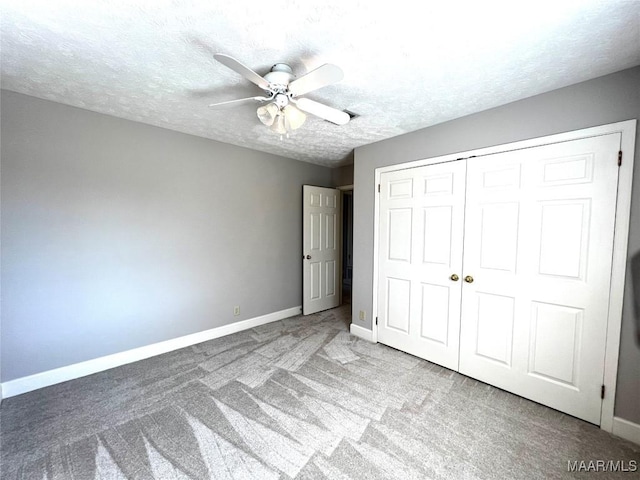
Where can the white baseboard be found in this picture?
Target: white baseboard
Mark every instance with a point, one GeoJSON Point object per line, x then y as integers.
{"type": "Point", "coordinates": [77, 370]}
{"type": "Point", "coordinates": [361, 332]}
{"type": "Point", "coordinates": [625, 429]}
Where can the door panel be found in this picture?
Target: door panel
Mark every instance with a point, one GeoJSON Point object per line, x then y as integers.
{"type": "Point", "coordinates": [434, 311]}
{"type": "Point", "coordinates": [330, 278]}
{"type": "Point", "coordinates": [315, 232]}
{"type": "Point", "coordinates": [437, 242]}
{"type": "Point", "coordinates": [399, 234]}
{"type": "Point", "coordinates": [499, 236]}
{"type": "Point", "coordinates": [402, 188]}
{"type": "Point", "coordinates": [322, 243]}
{"type": "Point", "coordinates": [315, 280]}
{"type": "Point", "coordinates": [538, 244]}
{"type": "Point", "coordinates": [330, 222]}
{"type": "Point", "coordinates": [564, 230]}
{"type": "Point", "coordinates": [421, 227]}
{"type": "Point", "coordinates": [555, 342]}
{"type": "Point", "coordinates": [398, 304]}
{"type": "Point", "coordinates": [494, 327]}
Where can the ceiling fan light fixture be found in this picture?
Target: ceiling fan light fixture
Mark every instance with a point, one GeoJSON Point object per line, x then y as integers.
{"type": "Point", "coordinates": [279, 125]}
{"type": "Point", "coordinates": [283, 88]}
{"type": "Point", "coordinates": [294, 116]}
{"type": "Point", "coordinates": [268, 113]}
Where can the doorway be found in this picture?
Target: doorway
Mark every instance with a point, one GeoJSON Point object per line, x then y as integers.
{"type": "Point", "coordinates": [347, 244]}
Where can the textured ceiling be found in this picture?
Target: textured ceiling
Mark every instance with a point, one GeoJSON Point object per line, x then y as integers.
{"type": "Point", "coordinates": [407, 64]}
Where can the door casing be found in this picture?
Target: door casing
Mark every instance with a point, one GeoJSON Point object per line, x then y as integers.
{"type": "Point", "coordinates": [627, 129]}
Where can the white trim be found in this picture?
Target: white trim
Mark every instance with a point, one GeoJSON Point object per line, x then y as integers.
{"type": "Point", "coordinates": [361, 332]}
{"type": "Point", "coordinates": [619, 127]}
{"type": "Point", "coordinates": [627, 129]}
{"type": "Point", "coordinates": [625, 429]}
{"type": "Point", "coordinates": [618, 270]}
{"type": "Point", "coordinates": [345, 188]}
{"type": "Point", "coordinates": [77, 370]}
{"type": "Point", "coordinates": [376, 234]}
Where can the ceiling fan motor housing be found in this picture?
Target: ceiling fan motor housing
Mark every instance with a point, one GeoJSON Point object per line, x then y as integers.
{"type": "Point", "coordinates": [281, 100]}
{"type": "Point", "coordinates": [279, 77]}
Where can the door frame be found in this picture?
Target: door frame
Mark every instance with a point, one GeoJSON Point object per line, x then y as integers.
{"type": "Point", "coordinates": [627, 129]}
{"type": "Point", "coordinates": [345, 190]}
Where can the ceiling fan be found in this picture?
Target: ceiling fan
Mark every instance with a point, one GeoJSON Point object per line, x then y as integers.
{"type": "Point", "coordinates": [284, 110]}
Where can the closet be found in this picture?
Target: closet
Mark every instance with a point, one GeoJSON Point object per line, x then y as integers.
{"type": "Point", "coordinates": [499, 267]}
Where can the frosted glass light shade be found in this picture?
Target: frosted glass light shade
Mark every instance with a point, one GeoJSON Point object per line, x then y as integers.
{"type": "Point", "coordinates": [295, 117]}
{"type": "Point", "coordinates": [281, 120]}
{"type": "Point", "coordinates": [278, 125]}
{"type": "Point", "coordinates": [268, 113]}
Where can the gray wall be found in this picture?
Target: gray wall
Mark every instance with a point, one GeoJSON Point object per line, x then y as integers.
{"type": "Point", "coordinates": [342, 176]}
{"type": "Point", "coordinates": [600, 101]}
{"type": "Point", "coordinates": [117, 234]}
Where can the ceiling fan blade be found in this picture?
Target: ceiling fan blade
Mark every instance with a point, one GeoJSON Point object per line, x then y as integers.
{"type": "Point", "coordinates": [322, 76]}
{"type": "Point", "coordinates": [240, 101]}
{"type": "Point", "coordinates": [242, 69]}
{"type": "Point", "coordinates": [323, 111]}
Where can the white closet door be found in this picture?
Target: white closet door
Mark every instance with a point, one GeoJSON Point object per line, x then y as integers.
{"type": "Point", "coordinates": [538, 244]}
{"type": "Point", "coordinates": [420, 248]}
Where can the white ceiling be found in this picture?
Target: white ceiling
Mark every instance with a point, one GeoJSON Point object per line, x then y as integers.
{"type": "Point", "coordinates": [407, 64]}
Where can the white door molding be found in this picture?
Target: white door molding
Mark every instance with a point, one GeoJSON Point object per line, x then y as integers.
{"type": "Point", "coordinates": [627, 129]}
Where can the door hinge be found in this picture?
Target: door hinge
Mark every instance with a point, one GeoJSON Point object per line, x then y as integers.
{"type": "Point", "coordinates": [602, 392]}
{"type": "Point", "coordinates": [378, 188]}
{"type": "Point", "coordinates": [620, 158]}
{"type": "Point", "coordinates": [376, 320]}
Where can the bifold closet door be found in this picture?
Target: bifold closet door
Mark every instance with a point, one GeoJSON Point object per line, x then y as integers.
{"type": "Point", "coordinates": [538, 249]}
{"type": "Point", "coordinates": [420, 248]}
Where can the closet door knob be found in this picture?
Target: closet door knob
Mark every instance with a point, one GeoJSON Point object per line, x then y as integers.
{"type": "Point", "coordinates": [455, 277]}
{"type": "Point", "coordinates": [468, 279]}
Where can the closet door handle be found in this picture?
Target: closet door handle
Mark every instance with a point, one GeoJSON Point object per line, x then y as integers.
{"type": "Point", "coordinates": [468, 279]}
{"type": "Point", "coordinates": [454, 277]}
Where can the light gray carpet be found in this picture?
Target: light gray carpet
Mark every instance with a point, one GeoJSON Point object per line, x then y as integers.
{"type": "Point", "coordinates": [298, 398]}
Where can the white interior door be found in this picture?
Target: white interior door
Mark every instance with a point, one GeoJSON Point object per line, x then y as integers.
{"type": "Point", "coordinates": [321, 248]}
{"type": "Point", "coordinates": [538, 245]}
{"type": "Point", "coordinates": [420, 248]}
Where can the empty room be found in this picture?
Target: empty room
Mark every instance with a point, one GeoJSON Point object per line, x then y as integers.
{"type": "Point", "coordinates": [319, 239]}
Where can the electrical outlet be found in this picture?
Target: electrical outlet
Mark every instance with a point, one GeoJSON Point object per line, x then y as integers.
{"type": "Point", "coordinates": [236, 310]}
{"type": "Point", "coordinates": [362, 315]}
